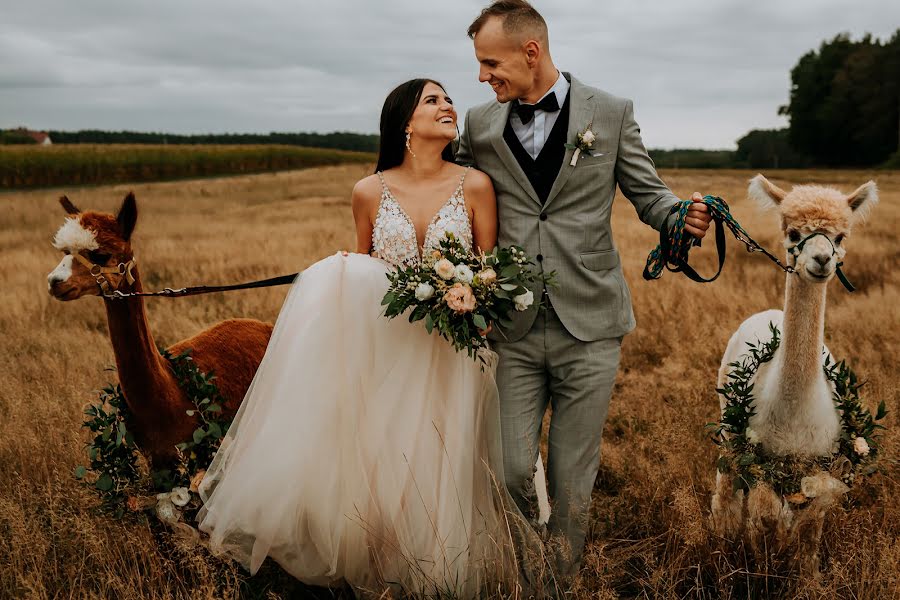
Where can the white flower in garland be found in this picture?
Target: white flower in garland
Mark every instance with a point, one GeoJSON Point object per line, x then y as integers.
{"type": "Point", "coordinates": [861, 446]}
{"type": "Point", "coordinates": [166, 510]}
{"type": "Point", "coordinates": [752, 436]}
{"type": "Point", "coordinates": [180, 496]}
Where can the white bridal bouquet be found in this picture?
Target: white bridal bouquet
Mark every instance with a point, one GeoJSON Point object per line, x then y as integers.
{"type": "Point", "coordinates": [458, 293]}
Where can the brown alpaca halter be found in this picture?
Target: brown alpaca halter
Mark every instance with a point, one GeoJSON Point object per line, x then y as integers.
{"type": "Point", "coordinates": [99, 273]}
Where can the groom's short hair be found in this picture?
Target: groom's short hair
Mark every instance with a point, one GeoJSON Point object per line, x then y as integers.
{"type": "Point", "coordinates": [519, 18]}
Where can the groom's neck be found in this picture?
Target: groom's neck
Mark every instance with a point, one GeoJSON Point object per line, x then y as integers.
{"type": "Point", "coordinates": [545, 76]}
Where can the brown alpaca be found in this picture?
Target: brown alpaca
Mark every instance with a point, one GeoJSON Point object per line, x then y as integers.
{"type": "Point", "coordinates": [232, 349]}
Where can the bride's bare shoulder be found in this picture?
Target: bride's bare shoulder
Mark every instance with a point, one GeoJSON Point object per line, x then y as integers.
{"type": "Point", "coordinates": [367, 191]}
{"type": "Point", "coordinates": [478, 185]}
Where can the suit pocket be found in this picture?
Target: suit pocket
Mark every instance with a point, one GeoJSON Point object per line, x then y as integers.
{"type": "Point", "coordinates": [588, 162]}
{"type": "Point", "coordinates": [600, 261]}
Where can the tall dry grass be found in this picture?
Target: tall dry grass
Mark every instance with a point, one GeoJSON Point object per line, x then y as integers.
{"type": "Point", "coordinates": [648, 534]}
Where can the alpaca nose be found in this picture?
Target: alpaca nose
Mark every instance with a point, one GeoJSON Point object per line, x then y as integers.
{"type": "Point", "coordinates": [822, 259]}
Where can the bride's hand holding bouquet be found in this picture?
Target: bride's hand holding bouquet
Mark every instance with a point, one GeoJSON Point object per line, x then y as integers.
{"type": "Point", "coordinates": [461, 294]}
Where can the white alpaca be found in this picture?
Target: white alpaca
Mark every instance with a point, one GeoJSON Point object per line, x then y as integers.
{"type": "Point", "coordinates": [795, 412]}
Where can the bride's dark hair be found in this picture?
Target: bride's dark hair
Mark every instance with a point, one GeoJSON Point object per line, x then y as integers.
{"type": "Point", "coordinates": [398, 109]}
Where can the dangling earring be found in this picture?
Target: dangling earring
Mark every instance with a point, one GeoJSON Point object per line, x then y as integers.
{"type": "Point", "coordinates": [408, 137]}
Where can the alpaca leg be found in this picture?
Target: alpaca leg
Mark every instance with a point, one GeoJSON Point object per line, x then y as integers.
{"type": "Point", "coordinates": [727, 511]}
{"type": "Point", "coordinates": [806, 536]}
{"type": "Point", "coordinates": [769, 520]}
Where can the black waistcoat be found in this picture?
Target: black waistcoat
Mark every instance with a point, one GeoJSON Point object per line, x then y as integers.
{"type": "Point", "coordinates": [542, 172]}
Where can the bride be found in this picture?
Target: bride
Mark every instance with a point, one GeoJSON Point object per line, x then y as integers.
{"type": "Point", "coordinates": [367, 450]}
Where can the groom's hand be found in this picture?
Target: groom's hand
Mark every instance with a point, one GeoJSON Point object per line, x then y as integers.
{"type": "Point", "coordinates": [698, 218]}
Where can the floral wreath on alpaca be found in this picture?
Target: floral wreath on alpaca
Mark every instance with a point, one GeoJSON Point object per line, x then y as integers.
{"type": "Point", "coordinates": [119, 472]}
{"type": "Point", "coordinates": [799, 479]}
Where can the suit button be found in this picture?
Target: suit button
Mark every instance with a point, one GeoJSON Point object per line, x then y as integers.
{"type": "Point", "coordinates": [543, 216]}
{"type": "Point", "coordinates": [540, 257]}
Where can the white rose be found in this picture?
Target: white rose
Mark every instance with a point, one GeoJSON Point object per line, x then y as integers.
{"type": "Point", "coordinates": [523, 301]}
{"type": "Point", "coordinates": [424, 291]}
{"type": "Point", "coordinates": [752, 436]}
{"type": "Point", "coordinates": [180, 496]}
{"type": "Point", "coordinates": [463, 274]}
{"type": "Point", "coordinates": [166, 511]}
{"type": "Point", "coordinates": [487, 276]}
{"type": "Point", "coordinates": [861, 446]}
{"type": "Point", "coordinates": [588, 137]}
{"type": "Point", "coordinates": [445, 269]}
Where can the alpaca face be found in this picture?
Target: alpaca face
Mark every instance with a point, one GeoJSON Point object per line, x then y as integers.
{"type": "Point", "coordinates": [815, 222]}
{"type": "Point", "coordinates": [100, 238]}
{"type": "Point", "coordinates": [815, 255]}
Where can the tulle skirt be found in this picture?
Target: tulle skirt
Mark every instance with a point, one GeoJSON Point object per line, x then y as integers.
{"type": "Point", "coordinates": [365, 450]}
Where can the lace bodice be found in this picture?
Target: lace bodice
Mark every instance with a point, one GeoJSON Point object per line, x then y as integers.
{"type": "Point", "coordinates": [394, 236]}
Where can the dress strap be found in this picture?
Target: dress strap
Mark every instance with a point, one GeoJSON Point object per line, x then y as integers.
{"type": "Point", "coordinates": [461, 181]}
{"type": "Point", "coordinates": [384, 187]}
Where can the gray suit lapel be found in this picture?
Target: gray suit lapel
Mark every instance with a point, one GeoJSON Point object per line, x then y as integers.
{"type": "Point", "coordinates": [498, 123]}
{"type": "Point", "coordinates": [580, 115]}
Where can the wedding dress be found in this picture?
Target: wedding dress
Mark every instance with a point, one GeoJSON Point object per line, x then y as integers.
{"type": "Point", "coordinates": [366, 449]}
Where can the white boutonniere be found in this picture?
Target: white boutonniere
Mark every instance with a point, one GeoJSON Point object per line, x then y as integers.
{"type": "Point", "coordinates": [584, 144]}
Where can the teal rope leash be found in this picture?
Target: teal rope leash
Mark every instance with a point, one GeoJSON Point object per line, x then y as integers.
{"type": "Point", "coordinates": [674, 245]}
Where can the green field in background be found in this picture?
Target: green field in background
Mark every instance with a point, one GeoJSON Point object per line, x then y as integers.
{"type": "Point", "coordinates": [94, 164]}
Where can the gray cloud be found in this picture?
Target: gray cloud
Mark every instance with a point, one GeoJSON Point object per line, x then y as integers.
{"type": "Point", "coordinates": [701, 73]}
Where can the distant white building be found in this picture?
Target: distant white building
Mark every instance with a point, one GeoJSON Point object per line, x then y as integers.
{"type": "Point", "coordinates": [41, 137]}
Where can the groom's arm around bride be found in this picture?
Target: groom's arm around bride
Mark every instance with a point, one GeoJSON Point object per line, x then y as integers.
{"type": "Point", "coordinates": [554, 196]}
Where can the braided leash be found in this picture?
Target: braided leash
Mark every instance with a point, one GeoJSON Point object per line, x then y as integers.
{"type": "Point", "coordinates": [674, 245]}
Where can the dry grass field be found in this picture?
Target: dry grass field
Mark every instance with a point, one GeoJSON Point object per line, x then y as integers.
{"type": "Point", "coordinates": [649, 536]}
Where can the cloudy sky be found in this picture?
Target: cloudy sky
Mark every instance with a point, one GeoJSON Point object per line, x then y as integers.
{"type": "Point", "coordinates": [701, 72]}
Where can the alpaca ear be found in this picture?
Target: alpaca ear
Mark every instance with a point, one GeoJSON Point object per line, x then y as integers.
{"type": "Point", "coordinates": [127, 216]}
{"type": "Point", "coordinates": [863, 200]}
{"type": "Point", "coordinates": [70, 208]}
{"type": "Point", "coordinates": [766, 193]}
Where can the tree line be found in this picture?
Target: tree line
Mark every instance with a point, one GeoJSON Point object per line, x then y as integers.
{"type": "Point", "coordinates": [844, 109]}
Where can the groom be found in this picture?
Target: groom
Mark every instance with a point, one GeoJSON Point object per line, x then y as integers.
{"type": "Point", "coordinates": [557, 207]}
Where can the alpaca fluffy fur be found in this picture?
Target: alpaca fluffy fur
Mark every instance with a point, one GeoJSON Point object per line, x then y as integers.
{"type": "Point", "coordinates": [74, 237]}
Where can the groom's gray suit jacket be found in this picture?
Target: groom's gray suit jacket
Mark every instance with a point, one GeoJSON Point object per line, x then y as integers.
{"type": "Point", "coordinates": [570, 231]}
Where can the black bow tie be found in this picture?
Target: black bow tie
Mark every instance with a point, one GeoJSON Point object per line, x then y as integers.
{"type": "Point", "coordinates": [526, 111]}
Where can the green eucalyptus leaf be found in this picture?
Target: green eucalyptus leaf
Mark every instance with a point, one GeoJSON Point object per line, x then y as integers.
{"type": "Point", "coordinates": [215, 431]}
{"type": "Point", "coordinates": [104, 483]}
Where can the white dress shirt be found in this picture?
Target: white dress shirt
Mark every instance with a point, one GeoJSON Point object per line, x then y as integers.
{"type": "Point", "coordinates": [534, 134]}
